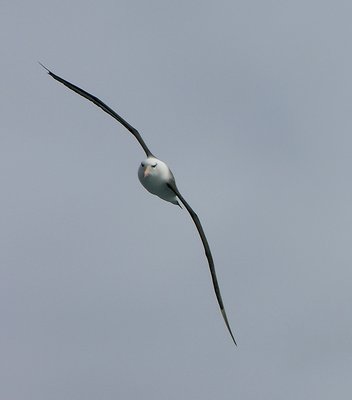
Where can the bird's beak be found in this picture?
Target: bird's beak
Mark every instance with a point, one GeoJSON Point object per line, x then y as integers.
{"type": "Point", "coordinates": [147, 171]}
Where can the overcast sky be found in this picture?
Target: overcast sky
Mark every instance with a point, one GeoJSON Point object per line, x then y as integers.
{"type": "Point", "coordinates": [105, 291]}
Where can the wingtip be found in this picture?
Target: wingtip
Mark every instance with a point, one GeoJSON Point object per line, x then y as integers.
{"type": "Point", "coordinates": [228, 325]}
{"type": "Point", "coordinates": [233, 338]}
{"type": "Point", "coordinates": [47, 69]}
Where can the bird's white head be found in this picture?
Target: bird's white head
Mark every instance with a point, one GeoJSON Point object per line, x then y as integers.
{"type": "Point", "coordinates": [153, 169]}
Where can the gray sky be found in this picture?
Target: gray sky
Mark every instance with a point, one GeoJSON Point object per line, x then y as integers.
{"type": "Point", "coordinates": [105, 290]}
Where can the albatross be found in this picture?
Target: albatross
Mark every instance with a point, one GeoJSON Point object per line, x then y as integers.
{"type": "Point", "coordinates": [157, 178]}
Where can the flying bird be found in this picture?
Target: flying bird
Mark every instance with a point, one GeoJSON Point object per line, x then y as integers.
{"type": "Point", "coordinates": [157, 178]}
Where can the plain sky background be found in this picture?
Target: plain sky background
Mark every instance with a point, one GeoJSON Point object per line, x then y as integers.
{"type": "Point", "coordinates": [105, 291]}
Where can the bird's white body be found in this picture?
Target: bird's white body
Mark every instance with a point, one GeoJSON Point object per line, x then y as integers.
{"type": "Point", "coordinates": [154, 175]}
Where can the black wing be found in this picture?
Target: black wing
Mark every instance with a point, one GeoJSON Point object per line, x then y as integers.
{"type": "Point", "coordinates": [103, 106]}
{"type": "Point", "coordinates": [195, 218]}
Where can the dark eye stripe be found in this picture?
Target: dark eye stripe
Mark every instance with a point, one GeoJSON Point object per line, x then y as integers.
{"type": "Point", "coordinates": [153, 166]}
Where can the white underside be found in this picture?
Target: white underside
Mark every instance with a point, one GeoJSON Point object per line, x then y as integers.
{"type": "Point", "coordinates": [159, 188]}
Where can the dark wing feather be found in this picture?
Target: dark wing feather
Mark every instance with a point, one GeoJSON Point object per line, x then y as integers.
{"type": "Point", "coordinates": [103, 106]}
{"type": "Point", "coordinates": [196, 220]}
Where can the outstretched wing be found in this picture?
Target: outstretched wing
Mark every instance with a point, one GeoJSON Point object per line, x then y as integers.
{"type": "Point", "coordinates": [195, 218]}
{"type": "Point", "coordinates": [103, 106]}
